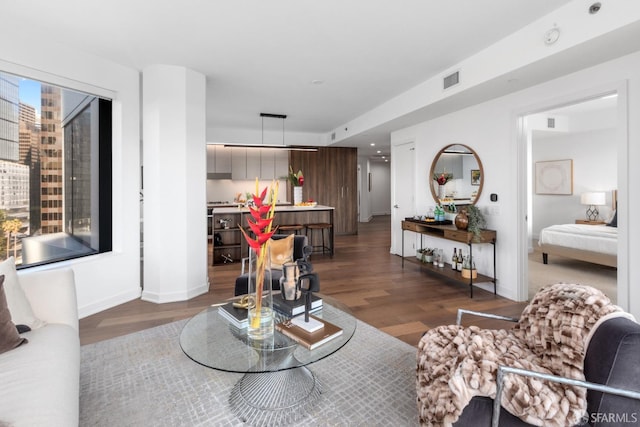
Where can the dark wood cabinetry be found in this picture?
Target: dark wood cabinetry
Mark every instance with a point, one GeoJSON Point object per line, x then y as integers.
{"type": "Point", "coordinates": [331, 179]}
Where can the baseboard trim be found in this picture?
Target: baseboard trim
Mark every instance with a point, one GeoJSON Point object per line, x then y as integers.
{"type": "Point", "coordinates": [160, 298]}
{"type": "Point", "coordinates": [107, 303]}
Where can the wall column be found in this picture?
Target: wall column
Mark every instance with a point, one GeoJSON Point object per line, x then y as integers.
{"type": "Point", "coordinates": [174, 182]}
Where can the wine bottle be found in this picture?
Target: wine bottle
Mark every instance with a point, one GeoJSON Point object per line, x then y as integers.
{"type": "Point", "coordinates": [454, 260]}
{"type": "Point", "coordinates": [460, 260]}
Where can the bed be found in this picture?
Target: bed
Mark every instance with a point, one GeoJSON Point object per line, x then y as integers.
{"type": "Point", "coordinates": [597, 244]}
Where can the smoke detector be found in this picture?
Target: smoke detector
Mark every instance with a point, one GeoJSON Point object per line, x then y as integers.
{"type": "Point", "coordinates": [551, 36]}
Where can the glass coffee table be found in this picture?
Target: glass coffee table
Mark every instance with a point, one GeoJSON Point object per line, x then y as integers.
{"type": "Point", "coordinates": [277, 387]}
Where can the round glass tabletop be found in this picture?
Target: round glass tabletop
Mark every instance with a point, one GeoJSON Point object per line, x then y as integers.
{"type": "Point", "coordinates": [211, 340]}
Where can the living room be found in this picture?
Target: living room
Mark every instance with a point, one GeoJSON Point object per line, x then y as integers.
{"type": "Point", "coordinates": [120, 280]}
{"type": "Point", "coordinates": [515, 75]}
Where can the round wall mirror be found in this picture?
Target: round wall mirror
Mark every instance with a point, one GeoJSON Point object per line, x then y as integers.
{"type": "Point", "coordinates": [456, 176]}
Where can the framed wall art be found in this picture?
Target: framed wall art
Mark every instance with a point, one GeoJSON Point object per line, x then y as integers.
{"type": "Point", "coordinates": [554, 177]}
{"type": "Point", "coordinates": [475, 176]}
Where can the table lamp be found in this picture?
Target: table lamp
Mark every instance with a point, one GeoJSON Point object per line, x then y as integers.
{"type": "Point", "coordinates": [593, 199]}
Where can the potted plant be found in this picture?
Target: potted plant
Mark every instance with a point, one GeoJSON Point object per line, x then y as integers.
{"type": "Point", "coordinates": [477, 222]}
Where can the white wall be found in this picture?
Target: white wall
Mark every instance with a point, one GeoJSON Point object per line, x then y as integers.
{"type": "Point", "coordinates": [595, 168]}
{"type": "Point", "coordinates": [103, 280]}
{"type": "Point", "coordinates": [491, 129]}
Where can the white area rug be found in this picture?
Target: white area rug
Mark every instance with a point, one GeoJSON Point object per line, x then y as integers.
{"type": "Point", "coordinates": [144, 379]}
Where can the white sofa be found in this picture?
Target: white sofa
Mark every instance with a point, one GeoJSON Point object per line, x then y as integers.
{"type": "Point", "coordinates": [40, 380]}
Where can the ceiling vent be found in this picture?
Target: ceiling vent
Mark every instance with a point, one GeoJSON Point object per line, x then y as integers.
{"type": "Point", "coordinates": [333, 136]}
{"type": "Point", "coordinates": [551, 123]}
{"type": "Point", "coordinates": [451, 80]}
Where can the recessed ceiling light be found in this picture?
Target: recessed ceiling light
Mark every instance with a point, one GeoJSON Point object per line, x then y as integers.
{"type": "Point", "coordinates": [317, 82]}
{"type": "Point", "coordinates": [379, 151]}
{"type": "Point", "coordinates": [373, 144]}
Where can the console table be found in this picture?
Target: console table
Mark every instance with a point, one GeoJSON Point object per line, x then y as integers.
{"type": "Point", "coordinates": [450, 232]}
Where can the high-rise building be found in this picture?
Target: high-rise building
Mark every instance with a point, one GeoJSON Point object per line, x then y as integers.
{"type": "Point", "coordinates": [51, 179]}
{"type": "Point", "coordinates": [14, 177]}
{"type": "Point", "coordinates": [28, 115]}
{"type": "Point", "coordinates": [30, 156]}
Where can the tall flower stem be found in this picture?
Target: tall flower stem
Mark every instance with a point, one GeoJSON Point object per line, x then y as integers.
{"type": "Point", "coordinates": [261, 223]}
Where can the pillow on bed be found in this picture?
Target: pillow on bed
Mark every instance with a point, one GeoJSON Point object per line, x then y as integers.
{"type": "Point", "coordinates": [614, 221]}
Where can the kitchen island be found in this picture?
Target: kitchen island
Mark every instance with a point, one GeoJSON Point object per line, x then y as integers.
{"type": "Point", "coordinates": [229, 244]}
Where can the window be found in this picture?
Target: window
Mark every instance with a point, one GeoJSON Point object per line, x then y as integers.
{"type": "Point", "coordinates": [55, 172]}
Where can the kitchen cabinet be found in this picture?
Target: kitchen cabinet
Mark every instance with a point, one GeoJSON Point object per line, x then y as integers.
{"type": "Point", "coordinates": [281, 164]}
{"type": "Point", "coordinates": [274, 163]}
{"type": "Point", "coordinates": [229, 244]}
{"type": "Point", "coordinates": [264, 163]}
{"type": "Point", "coordinates": [227, 237]}
{"type": "Point", "coordinates": [245, 163]}
{"type": "Point", "coordinates": [218, 159]}
{"type": "Point", "coordinates": [330, 178]}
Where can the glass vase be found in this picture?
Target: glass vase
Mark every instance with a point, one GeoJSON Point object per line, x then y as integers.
{"type": "Point", "coordinates": [297, 195]}
{"type": "Point", "coordinates": [260, 309]}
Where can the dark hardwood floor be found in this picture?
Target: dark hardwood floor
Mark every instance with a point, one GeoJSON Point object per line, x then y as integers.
{"type": "Point", "coordinates": [403, 302]}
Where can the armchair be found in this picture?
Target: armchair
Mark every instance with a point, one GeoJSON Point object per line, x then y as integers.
{"type": "Point", "coordinates": [571, 359]}
{"type": "Point", "coordinates": [301, 252]}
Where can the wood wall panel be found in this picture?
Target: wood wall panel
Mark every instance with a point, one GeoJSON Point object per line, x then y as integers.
{"type": "Point", "coordinates": [331, 179]}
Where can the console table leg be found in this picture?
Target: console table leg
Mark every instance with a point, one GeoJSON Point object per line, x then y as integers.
{"type": "Point", "coordinates": [471, 266]}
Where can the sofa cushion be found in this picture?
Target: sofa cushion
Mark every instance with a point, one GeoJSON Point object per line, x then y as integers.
{"type": "Point", "coordinates": [19, 306]}
{"type": "Point", "coordinates": [281, 251]}
{"type": "Point", "coordinates": [9, 337]}
{"type": "Point", "coordinates": [41, 380]}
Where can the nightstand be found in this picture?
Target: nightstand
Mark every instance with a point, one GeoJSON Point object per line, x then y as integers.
{"type": "Point", "coordinates": [588, 222]}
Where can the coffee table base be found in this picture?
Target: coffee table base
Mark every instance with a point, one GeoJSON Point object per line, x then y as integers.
{"type": "Point", "coordinates": [275, 398]}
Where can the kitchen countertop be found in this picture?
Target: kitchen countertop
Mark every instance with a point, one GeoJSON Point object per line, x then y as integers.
{"type": "Point", "coordinates": [279, 208]}
{"type": "Point", "coordinates": [235, 205]}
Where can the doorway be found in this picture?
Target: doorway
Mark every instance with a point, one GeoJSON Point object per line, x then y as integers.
{"type": "Point", "coordinates": [402, 193]}
{"type": "Point", "coordinates": [590, 132]}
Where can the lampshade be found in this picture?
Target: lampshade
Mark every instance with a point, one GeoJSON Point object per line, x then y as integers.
{"type": "Point", "coordinates": [595, 198]}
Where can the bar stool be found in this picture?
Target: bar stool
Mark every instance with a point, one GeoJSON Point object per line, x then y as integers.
{"type": "Point", "coordinates": [318, 226]}
{"type": "Point", "coordinates": [290, 228]}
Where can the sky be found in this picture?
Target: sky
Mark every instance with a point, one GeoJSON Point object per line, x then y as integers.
{"type": "Point", "coordinates": [30, 93]}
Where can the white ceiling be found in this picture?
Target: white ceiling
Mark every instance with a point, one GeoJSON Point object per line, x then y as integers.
{"type": "Point", "coordinates": [263, 56]}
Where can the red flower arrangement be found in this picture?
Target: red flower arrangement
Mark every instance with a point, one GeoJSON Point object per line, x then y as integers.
{"type": "Point", "coordinates": [260, 223]}
{"type": "Point", "coordinates": [297, 179]}
{"type": "Point", "coordinates": [442, 178]}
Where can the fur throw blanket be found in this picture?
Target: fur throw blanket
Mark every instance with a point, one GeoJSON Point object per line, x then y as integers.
{"type": "Point", "coordinates": [456, 363]}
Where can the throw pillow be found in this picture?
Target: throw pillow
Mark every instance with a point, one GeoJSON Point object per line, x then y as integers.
{"type": "Point", "coordinates": [614, 221]}
{"type": "Point", "coordinates": [9, 337]}
{"type": "Point", "coordinates": [281, 251]}
{"type": "Point", "coordinates": [21, 312]}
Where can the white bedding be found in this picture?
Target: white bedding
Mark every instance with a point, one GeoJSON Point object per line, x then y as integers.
{"type": "Point", "coordinates": [595, 238]}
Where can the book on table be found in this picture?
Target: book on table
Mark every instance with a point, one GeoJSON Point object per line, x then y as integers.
{"type": "Point", "coordinates": [236, 316]}
{"type": "Point", "coordinates": [310, 340]}
{"type": "Point", "coordinates": [293, 308]}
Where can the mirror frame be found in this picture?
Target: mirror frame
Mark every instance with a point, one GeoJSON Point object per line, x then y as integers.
{"type": "Point", "coordinates": [433, 167]}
